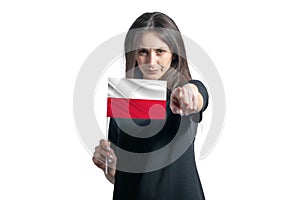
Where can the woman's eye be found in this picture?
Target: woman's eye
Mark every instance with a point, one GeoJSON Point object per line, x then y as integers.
{"type": "Point", "coordinates": [160, 51]}
{"type": "Point", "coordinates": [143, 52]}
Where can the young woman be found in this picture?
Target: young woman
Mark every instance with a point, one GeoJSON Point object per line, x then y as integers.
{"type": "Point", "coordinates": [154, 49]}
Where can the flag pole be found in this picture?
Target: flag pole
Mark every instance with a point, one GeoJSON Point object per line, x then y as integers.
{"type": "Point", "coordinates": [106, 136]}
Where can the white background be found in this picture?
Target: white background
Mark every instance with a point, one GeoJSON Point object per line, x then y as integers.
{"type": "Point", "coordinates": [254, 44]}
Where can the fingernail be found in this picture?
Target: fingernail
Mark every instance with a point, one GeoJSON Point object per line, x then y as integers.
{"type": "Point", "coordinates": [109, 160]}
{"type": "Point", "coordinates": [108, 149]}
{"type": "Point", "coordinates": [181, 113]}
{"type": "Point", "coordinates": [110, 156]}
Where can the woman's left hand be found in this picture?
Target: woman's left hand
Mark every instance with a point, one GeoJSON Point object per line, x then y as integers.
{"type": "Point", "coordinates": [186, 100]}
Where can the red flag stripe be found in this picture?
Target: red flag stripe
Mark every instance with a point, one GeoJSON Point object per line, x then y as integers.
{"type": "Point", "coordinates": [136, 108]}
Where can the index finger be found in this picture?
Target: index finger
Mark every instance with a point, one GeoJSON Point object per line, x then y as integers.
{"type": "Point", "coordinates": [175, 101]}
{"type": "Point", "coordinates": [104, 143]}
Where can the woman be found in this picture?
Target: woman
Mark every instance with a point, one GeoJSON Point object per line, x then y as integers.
{"type": "Point", "coordinates": [154, 49]}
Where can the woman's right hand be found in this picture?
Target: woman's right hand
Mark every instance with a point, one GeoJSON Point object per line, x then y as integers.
{"type": "Point", "coordinates": [103, 152]}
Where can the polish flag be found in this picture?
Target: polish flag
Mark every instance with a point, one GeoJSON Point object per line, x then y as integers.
{"type": "Point", "coordinates": [136, 98]}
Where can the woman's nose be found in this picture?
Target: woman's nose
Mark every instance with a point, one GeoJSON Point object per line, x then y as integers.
{"type": "Point", "coordinates": [152, 59]}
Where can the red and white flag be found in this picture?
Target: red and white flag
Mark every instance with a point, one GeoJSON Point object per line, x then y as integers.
{"type": "Point", "coordinates": [136, 98]}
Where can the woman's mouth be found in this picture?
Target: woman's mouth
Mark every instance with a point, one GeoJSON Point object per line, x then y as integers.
{"type": "Point", "coordinates": [152, 71]}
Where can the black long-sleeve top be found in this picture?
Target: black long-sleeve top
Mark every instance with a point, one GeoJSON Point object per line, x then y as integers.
{"type": "Point", "coordinates": [174, 136]}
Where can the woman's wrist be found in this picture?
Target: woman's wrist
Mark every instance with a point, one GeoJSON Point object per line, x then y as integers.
{"type": "Point", "coordinates": [111, 178]}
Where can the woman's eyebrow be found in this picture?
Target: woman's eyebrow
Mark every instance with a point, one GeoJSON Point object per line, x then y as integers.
{"type": "Point", "coordinates": [155, 48]}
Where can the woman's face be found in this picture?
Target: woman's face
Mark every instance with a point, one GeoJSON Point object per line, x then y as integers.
{"type": "Point", "coordinates": [153, 56]}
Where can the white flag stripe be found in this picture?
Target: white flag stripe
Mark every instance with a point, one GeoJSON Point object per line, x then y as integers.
{"type": "Point", "coordinates": [137, 89]}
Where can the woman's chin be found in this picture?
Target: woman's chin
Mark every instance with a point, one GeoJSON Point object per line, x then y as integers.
{"type": "Point", "coordinates": [152, 77]}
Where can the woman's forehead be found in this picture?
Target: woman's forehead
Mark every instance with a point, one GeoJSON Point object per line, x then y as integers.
{"type": "Point", "coordinates": [151, 40]}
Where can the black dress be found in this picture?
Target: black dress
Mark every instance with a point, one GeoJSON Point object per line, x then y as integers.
{"type": "Point", "coordinates": [178, 180]}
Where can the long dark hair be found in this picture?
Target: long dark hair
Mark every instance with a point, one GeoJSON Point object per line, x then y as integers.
{"type": "Point", "coordinates": [166, 29]}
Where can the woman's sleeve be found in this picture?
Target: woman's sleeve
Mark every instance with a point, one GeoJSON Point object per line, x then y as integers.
{"type": "Point", "coordinates": [197, 117]}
